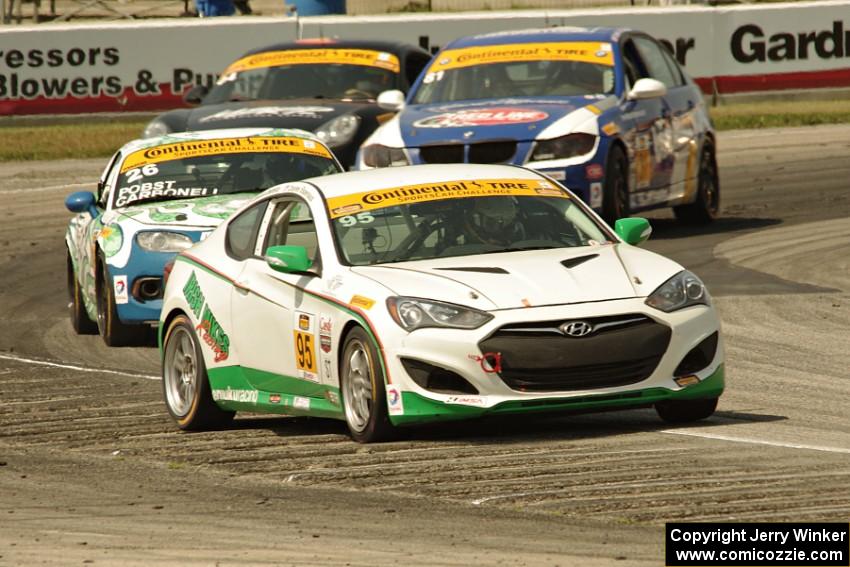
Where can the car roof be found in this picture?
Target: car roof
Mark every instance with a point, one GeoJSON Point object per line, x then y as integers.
{"type": "Point", "coordinates": [353, 182]}
{"type": "Point", "coordinates": [176, 137]}
{"type": "Point", "coordinates": [395, 47]}
{"type": "Point", "coordinates": [538, 35]}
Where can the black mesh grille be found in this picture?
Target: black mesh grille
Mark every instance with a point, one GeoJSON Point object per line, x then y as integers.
{"type": "Point", "coordinates": [442, 154]}
{"type": "Point", "coordinates": [492, 152]}
{"type": "Point", "coordinates": [539, 357]}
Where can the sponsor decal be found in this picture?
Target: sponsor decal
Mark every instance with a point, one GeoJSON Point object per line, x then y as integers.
{"type": "Point", "coordinates": [327, 371]}
{"type": "Point", "coordinates": [466, 400]}
{"type": "Point", "coordinates": [497, 116]}
{"type": "Point", "coordinates": [274, 398]}
{"type": "Point", "coordinates": [360, 301]}
{"type": "Point", "coordinates": [303, 321]}
{"type": "Point", "coordinates": [594, 171]}
{"type": "Point", "coordinates": [325, 333]}
{"type": "Point", "coordinates": [610, 129]}
{"type": "Point", "coordinates": [122, 296]}
{"type": "Point", "coordinates": [490, 362]}
{"type": "Point", "coordinates": [364, 57]}
{"type": "Point", "coordinates": [196, 148]}
{"type": "Point", "coordinates": [152, 189]}
{"type": "Point", "coordinates": [332, 397]}
{"type": "Point", "coordinates": [213, 335]}
{"type": "Point", "coordinates": [584, 51]}
{"type": "Point", "coordinates": [228, 395]}
{"type": "Point", "coordinates": [394, 401]}
{"type": "Point", "coordinates": [325, 343]}
{"type": "Point", "coordinates": [593, 108]}
{"type": "Point", "coordinates": [596, 195]}
{"type": "Point", "coordinates": [557, 175]}
{"type": "Point", "coordinates": [193, 295]}
{"type": "Point", "coordinates": [381, 198]}
{"type": "Point", "coordinates": [314, 112]}
{"type": "Point", "coordinates": [111, 239]}
{"type": "Point", "coordinates": [301, 402]}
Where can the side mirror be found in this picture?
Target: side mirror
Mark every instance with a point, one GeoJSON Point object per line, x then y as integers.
{"type": "Point", "coordinates": [82, 202]}
{"type": "Point", "coordinates": [633, 230]}
{"type": "Point", "coordinates": [195, 95]}
{"type": "Point", "coordinates": [647, 88]}
{"type": "Point", "coordinates": [391, 100]}
{"type": "Point", "coordinates": [288, 259]}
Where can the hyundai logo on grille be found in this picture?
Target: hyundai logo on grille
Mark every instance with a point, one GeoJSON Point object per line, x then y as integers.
{"type": "Point", "coordinates": [577, 328]}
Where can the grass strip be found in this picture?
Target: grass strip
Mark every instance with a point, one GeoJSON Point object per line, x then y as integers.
{"type": "Point", "coordinates": [102, 139]}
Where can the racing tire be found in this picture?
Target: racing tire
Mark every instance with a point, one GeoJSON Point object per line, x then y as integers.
{"type": "Point", "coordinates": [364, 399]}
{"type": "Point", "coordinates": [706, 205]}
{"type": "Point", "coordinates": [112, 330]}
{"type": "Point", "coordinates": [80, 320]}
{"type": "Point", "coordinates": [615, 192]}
{"type": "Point", "coordinates": [686, 411]}
{"type": "Point", "coordinates": [185, 384]}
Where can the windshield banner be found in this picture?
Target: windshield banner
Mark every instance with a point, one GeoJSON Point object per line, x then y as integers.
{"type": "Point", "coordinates": [381, 198]}
{"type": "Point", "coordinates": [195, 148]}
{"type": "Point", "coordinates": [584, 51]}
{"type": "Point", "coordinates": [365, 57]}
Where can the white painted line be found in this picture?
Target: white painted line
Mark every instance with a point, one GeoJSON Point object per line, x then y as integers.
{"type": "Point", "coordinates": [91, 184]}
{"type": "Point", "coordinates": [734, 439]}
{"type": "Point", "coordinates": [75, 367]}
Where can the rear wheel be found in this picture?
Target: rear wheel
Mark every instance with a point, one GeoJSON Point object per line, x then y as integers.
{"type": "Point", "coordinates": [615, 195]}
{"type": "Point", "coordinates": [185, 384]}
{"type": "Point", "coordinates": [80, 320]}
{"type": "Point", "coordinates": [363, 394]}
{"type": "Point", "coordinates": [686, 411]}
{"type": "Point", "coordinates": [706, 206]}
{"type": "Point", "coordinates": [113, 331]}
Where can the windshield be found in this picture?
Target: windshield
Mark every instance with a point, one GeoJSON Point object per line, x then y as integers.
{"type": "Point", "coordinates": [459, 219]}
{"type": "Point", "coordinates": [520, 70]}
{"type": "Point", "coordinates": [204, 168]}
{"type": "Point", "coordinates": [347, 74]}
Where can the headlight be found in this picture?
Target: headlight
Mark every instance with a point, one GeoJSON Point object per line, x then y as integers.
{"type": "Point", "coordinates": [567, 146]}
{"type": "Point", "coordinates": [338, 131]}
{"type": "Point", "coordinates": [412, 313]}
{"type": "Point", "coordinates": [155, 127]}
{"type": "Point", "coordinates": [377, 155]}
{"type": "Point", "coordinates": [682, 290]}
{"type": "Point", "coordinates": [160, 241]}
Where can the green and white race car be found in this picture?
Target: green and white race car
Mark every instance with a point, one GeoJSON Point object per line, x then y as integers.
{"type": "Point", "coordinates": [406, 295]}
{"type": "Point", "coordinates": [159, 196]}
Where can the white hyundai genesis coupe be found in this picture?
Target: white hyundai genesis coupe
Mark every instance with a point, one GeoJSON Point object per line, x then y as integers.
{"type": "Point", "coordinates": [409, 295]}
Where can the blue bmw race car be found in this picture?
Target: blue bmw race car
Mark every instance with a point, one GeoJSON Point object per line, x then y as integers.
{"type": "Point", "coordinates": [607, 112]}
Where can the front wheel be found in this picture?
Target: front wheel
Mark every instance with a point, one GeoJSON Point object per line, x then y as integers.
{"type": "Point", "coordinates": [112, 330]}
{"type": "Point", "coordinates": [615, 194]}
{"type": "Point", "coordinates": [686, 411]}
{"type": "Point", "coordinates": [185, 385]}
{"type": "Point", "coordinates": [706, 206]}
{"type": "Point", "coordinates": [79, 317]}
{"type": "Point", "coordinates": [363, 394]}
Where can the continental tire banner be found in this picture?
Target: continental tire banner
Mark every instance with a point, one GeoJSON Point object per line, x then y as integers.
{"type": "Point", "coordinates": [144, 66]}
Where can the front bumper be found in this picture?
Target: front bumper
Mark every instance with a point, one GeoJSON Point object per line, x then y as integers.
{"type": "Point", "coordinates": [459, 352]}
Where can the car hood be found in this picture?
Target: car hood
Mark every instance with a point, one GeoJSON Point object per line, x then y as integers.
{"type": "Point", "coordinates": [306, 114]}
{"type": "Point", "coordinates": [529, 278]}
{"type": "Point", "coordinates": [519, 119]}
{"type": "Point", "coordinates": [199, 212]}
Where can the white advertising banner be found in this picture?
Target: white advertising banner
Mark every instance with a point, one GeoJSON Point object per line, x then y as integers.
{"type": "Point", "coordinates": [57, 69]}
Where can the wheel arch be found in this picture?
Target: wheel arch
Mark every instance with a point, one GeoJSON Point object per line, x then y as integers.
{"type": "Point", "coordinates": [163, 328]}
{"type": "Point", "coordinates": [350, 325]}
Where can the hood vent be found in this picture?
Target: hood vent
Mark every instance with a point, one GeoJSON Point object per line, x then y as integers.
{"type": "Point", "coordinates": [484, 270]}
{"type": "Point", "coordinates": [573, 262]}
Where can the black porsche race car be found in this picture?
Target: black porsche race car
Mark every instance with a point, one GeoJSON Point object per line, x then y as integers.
{"type": "Point", "coordinates": [328, 87]}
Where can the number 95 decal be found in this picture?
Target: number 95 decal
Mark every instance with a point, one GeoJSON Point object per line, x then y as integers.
{"type": "Point", "coordinates": [305, 352]}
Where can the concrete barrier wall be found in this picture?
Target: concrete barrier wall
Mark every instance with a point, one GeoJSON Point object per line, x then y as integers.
{"type": "Point", "coordinates": [60, 69]}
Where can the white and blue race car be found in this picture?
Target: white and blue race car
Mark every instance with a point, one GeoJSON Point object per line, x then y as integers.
{"type": "Point", "coordinates": [159, 196]}
{"type": "Point", "coordinates": [607, 112]}
{"type": "Point", "coordinates": [402, 296]}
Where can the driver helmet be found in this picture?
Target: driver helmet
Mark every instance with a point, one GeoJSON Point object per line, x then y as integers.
{"type": "Point", "coordinates": [493, 218]}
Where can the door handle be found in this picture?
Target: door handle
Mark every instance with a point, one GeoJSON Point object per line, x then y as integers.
{"type": "Point", "coordinates": [242, 286]}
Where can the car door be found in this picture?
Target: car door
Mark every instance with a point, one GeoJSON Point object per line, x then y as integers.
{"type": "Point", "coordinates": [676, 141]}
{"type": "Point", "coordinates": [276, 324]}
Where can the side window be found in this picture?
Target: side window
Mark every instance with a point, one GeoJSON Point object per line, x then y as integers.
{"type": "Point", "coordinates": [413, 66]}
{"type": "Point", "coordinates": [107, 180]}
{"type": "Point", "coordinates": [674, 67]}
{"type": "Point", "coordinates": [632, 65]}
{"type": "Point", "coordinates": [653, 56]}
{"type": "Point", "coordinates": [242, 232]}
{"type": "Point", "coordinates": [292, 225]}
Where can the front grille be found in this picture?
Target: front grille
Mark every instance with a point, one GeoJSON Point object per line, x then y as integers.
{"type": "Point", "coordinates": [452, 153]}
{"type": "Point", "coordinates": [539, 357]}
{"type": "Point", "coordinates": [484, 152]}
{"type": "Point", "coordinates": [492, 152]}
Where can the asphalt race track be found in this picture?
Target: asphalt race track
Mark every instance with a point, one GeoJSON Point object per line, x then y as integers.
{"type": "Point", "coordinates": [93, 471]}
